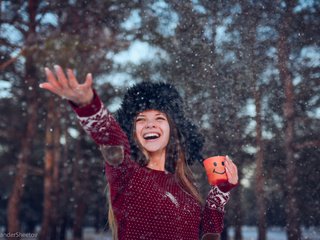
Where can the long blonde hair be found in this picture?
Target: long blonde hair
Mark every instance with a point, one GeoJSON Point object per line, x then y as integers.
{"type": "Point", "coordinates": [111, 218]}
{"type": "Point", "coordinates": [175, 157]}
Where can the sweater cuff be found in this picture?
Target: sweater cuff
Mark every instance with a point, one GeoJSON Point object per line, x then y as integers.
{"type": "Point", "coordinates": [227, 187]}
{"type": "Point", "coordinates": [217, 199]}
{"type": "Point", "coordinates": [87, 110]}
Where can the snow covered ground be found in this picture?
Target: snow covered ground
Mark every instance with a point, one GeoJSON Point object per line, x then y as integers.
{"type": "Point", "coordinates": [249, 233]}
{"type": "Point", "coordinates": [275, 233]}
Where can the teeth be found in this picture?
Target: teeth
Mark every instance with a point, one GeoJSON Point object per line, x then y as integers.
{"type": "Point", "coordinates": [151, 135]}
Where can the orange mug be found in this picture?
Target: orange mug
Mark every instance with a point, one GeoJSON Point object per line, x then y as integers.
{"type": "Point", "coordinates": [215, 169]}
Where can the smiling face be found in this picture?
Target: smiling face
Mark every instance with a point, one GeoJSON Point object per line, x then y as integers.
{"type": "Point", "coordinates": [218, 167]}
{"type": "Point", "coordinates": [152, 131]}
{"type": "Point", "coordinates": [215, 169]}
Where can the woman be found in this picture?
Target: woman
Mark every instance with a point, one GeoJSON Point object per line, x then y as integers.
{"type": "Point", "coordinates": [147, 152]}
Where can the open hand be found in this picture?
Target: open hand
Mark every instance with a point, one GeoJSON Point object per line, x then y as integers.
{"type": "Point", "coordinates": [68, 87]}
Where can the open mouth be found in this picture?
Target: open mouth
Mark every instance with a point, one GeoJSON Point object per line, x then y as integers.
{"type": "Point", "coordinates": [151, 136]}
{"type": "Point", "coordinates": [214, 171]}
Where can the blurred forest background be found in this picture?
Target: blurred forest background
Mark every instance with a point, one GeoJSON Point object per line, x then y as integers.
{"type": "Point", "coordinates": [249, 71]}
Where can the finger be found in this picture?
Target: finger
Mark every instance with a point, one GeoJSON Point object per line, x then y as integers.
{"type": "Point", "coordinates": [228, 172]}
{"type": "Point", "coordinates": [228, 167]}
{"type": "Point", "coordinates": [229, 159]}
{"type": "Point", "coordinates": [231, 171]}
{"type": "Point", "coordinates": [228, 163]}
{"type": "Point", "coordinates": [88, 82]}
{"type": "Point", "coordinates": [231, 163]}
{"type": "Point", "coordinates": [73, 83]}
{"type": "Point", "coordinates": [61, 76]}
{"type": "Point", "coordinates": [235, 177]}
{"type": "Point", "coordinates": [51, 88]}
{"type": "Point", "coordinates": [231, 166]}
{"type": "Point", "coordinates": [51, 78]}
{"type": "Point", "coordinates": [230, 176]}
{"type": "Point", "coordinates": [234, 167]}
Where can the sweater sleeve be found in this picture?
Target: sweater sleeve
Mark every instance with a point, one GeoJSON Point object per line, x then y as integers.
{"type": "Point", "coordinates": [213, 212]}
{"type": "Point", "coordinates": [99, 123]}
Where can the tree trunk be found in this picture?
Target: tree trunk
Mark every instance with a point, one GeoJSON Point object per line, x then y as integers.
{"type": "Point", "coordinates": [48, 172]}
{"type": "Point", "coordinates": [63, 224]}
{"type": "Point", "coordinates": [260, 178]}
{"type": "Point", "coordinates": [56, 193]}
{"type": "Point", "coordinates": [238, 217]}
{"type": "Point", "coordinates": [64, 189]}
{"type": "Point", "coordinates": [292, 214]}
{"type": "Point", "coordinates": [81, 208]}
{"type": "Point", "coordinates": [51, 173]}
{"type": "Point", "coordinates": [253, 72]}
{"type": "Point", "coordinates": [14, 201]}
{"type": "Point", "coordinates": [80, 186]}
{"type": "Point", "coordinates": [224, 234]}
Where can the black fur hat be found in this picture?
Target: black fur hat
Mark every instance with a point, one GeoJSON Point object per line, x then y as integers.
{"type": "Point", "coordinates": [165, 98]}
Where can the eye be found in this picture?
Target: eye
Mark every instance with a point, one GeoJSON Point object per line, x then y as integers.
{"type": "Point", "coordinates": [139, 119]}
{"type": "Point", "coordinates": [160, 118]}
{"type": "Point", "coordinates": [222, 163]}
{"type": "Point", "coordinates": [215, 164]}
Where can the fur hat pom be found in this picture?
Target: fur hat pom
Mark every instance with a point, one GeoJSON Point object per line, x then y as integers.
{"type": "Point", "coordinates": [163, 97]}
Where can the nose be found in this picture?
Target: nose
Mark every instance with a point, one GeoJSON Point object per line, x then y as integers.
{"type": "Point", "coordinates": [150, 124]}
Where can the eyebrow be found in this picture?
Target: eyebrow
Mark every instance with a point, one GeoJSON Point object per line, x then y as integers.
{"type": "Point", "coordinates": [157, 114]}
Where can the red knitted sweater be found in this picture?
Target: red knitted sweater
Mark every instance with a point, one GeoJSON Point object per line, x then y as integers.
{"type": "Point", "coordinates": [149, 204]}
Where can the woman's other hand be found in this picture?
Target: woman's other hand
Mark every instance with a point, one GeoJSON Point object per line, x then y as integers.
{"type": "Point", "coordinates": [232, 171]}
{"type": "Point", "coordinates": [69, 87]}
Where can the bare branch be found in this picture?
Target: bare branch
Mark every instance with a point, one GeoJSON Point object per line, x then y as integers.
{"type": "Point", "coordinates": [307, 144]}
{"type": "Point", "coordinates": [5, 42]}
{"type": "Point", "coordinates": [11, 60]}
{"type": "Point", "coordinates": [31, 169]}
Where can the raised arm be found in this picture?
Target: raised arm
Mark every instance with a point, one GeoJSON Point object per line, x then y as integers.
{"type": "Point", "coordinates": [93, 116]}
{"type": "Point", "coordinates": [97, 121]}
